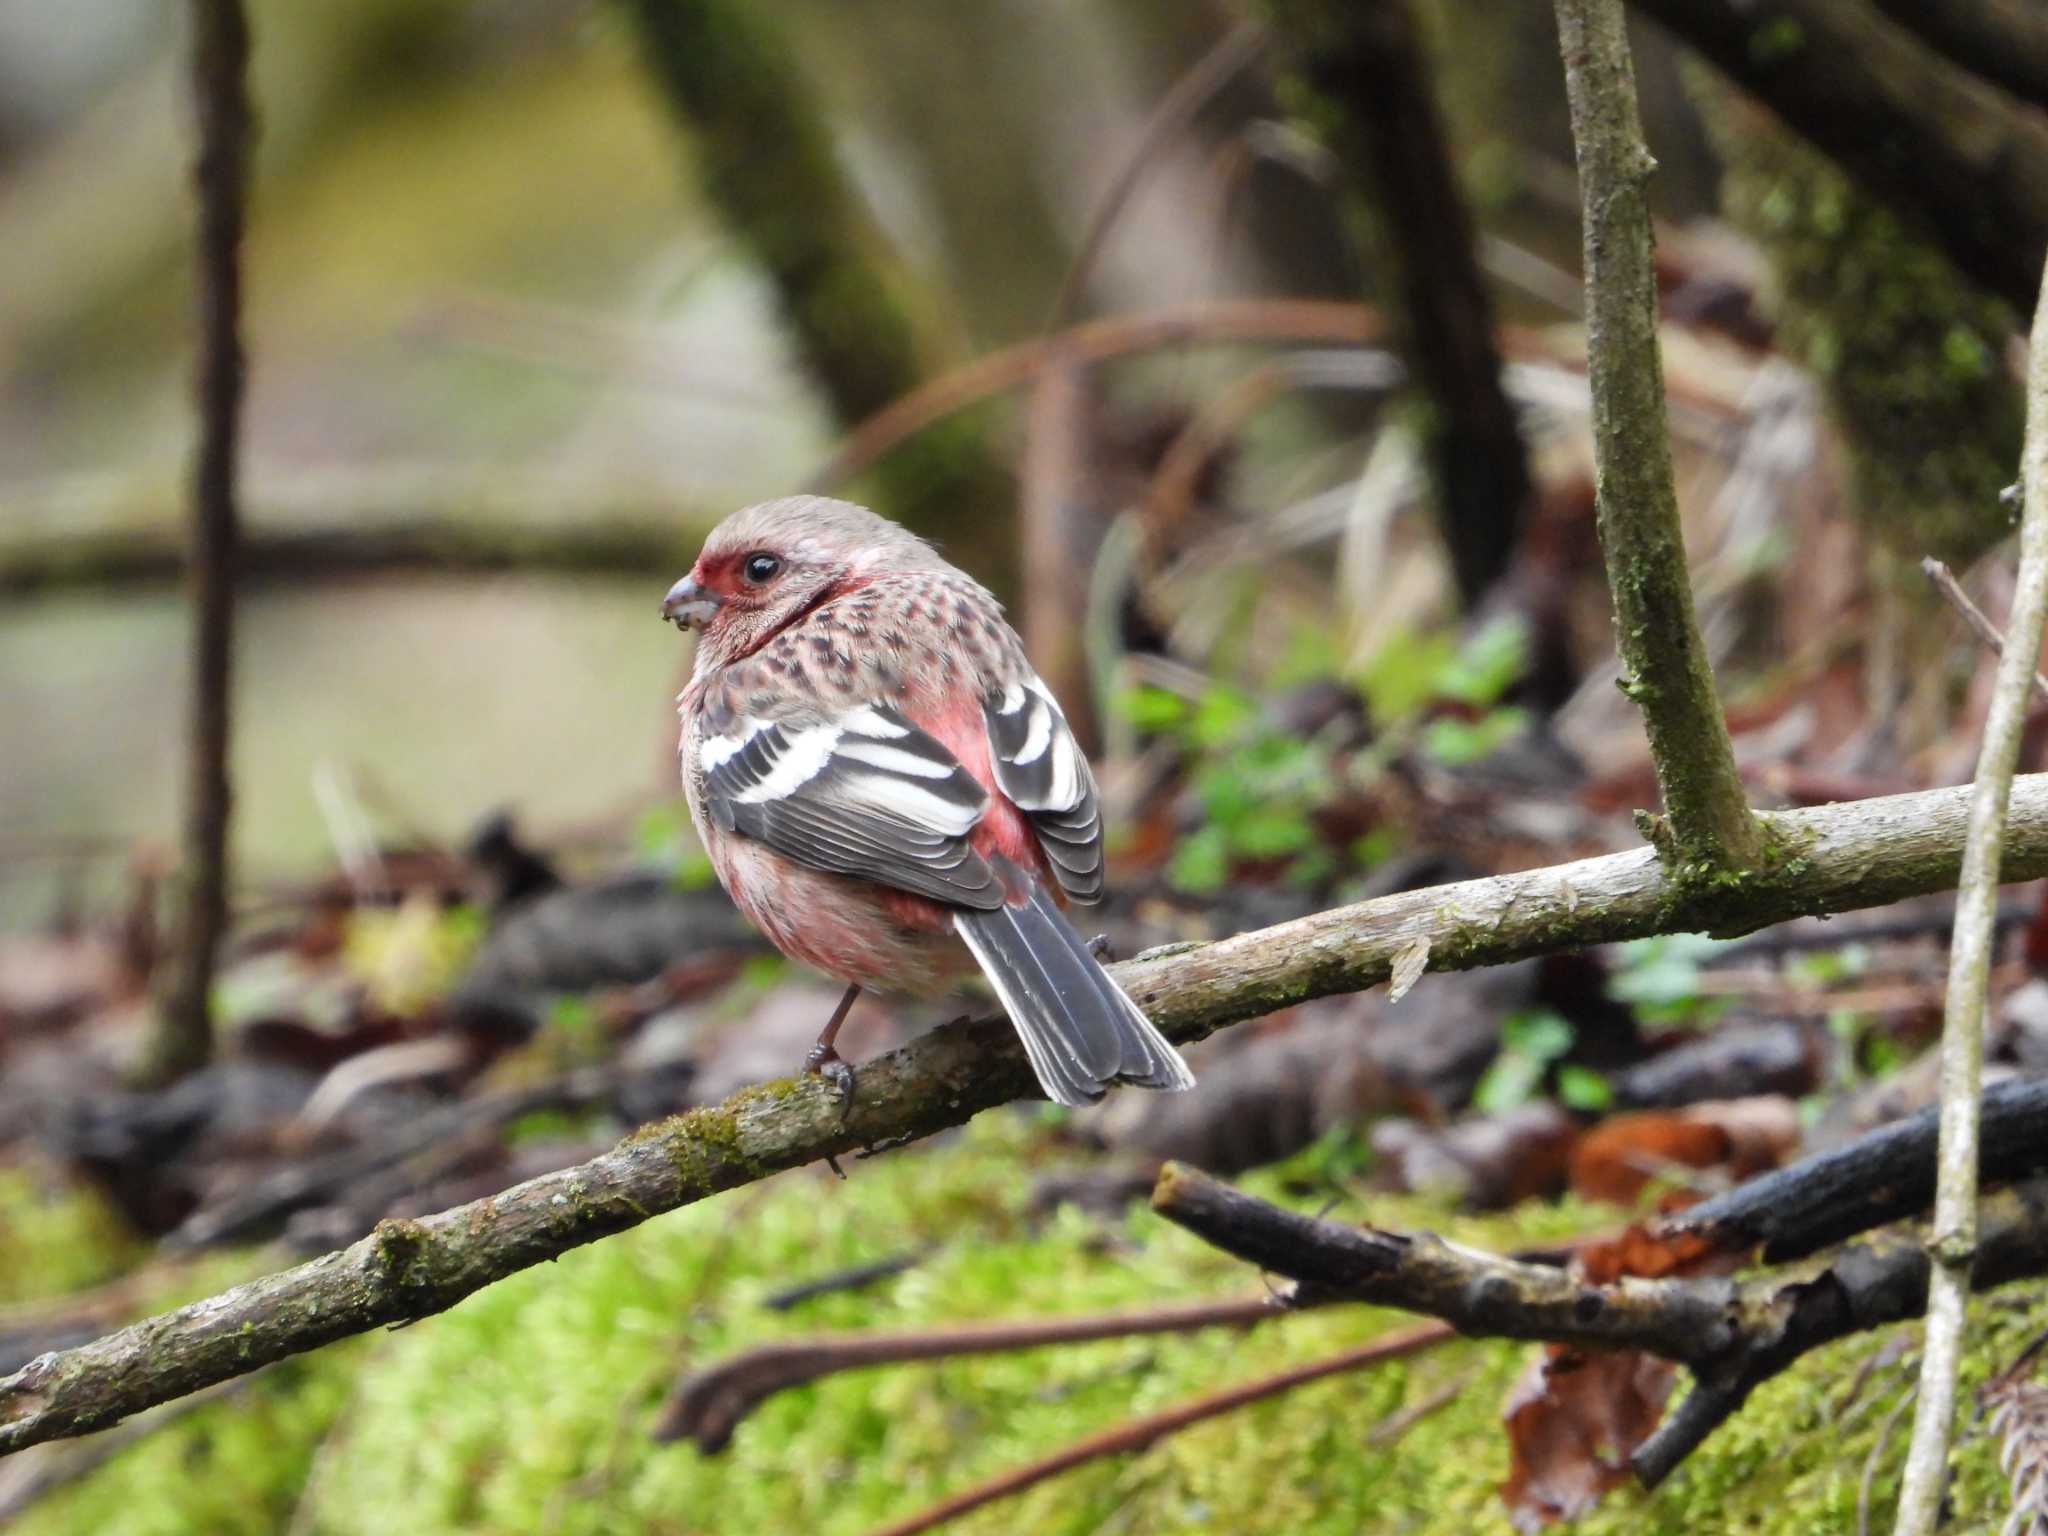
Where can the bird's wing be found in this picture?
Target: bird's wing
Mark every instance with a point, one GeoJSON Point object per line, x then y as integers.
{"type": "Point", "coordinates": [861, 791]}
{"type": "Point", "coordinates": [1043, 771]}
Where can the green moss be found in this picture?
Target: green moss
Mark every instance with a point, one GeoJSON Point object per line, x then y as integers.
{"type": "Point", "coordinates": [56, 1236]}
{"type": "Point", "coordinates": [525, 1407]}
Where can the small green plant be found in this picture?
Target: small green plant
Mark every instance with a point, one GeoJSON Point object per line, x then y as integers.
{"type": "Point", "coordinates": [1660, 979]}
{"type": "Point", "coordinates": [1529, 1043]}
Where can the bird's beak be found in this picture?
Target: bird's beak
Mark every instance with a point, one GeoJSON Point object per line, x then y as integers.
{"type": "Point", "coordinates": [689, 606]}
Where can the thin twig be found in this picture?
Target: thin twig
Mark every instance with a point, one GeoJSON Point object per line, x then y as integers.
{"type": "Point", "coordinates": [1954, 1239]}
{"type": "Point", "coordinates": [1664, 661]}
{"type": "Point", "coordinates": [1222, 322]}
{"type": "Point", "coordinates": [1212, 73]}
{"type": "Point", "coordinates": [1946, 584]}
{"type": "Point", "coordinates": [708, 1405]}
{"type": "Point", "coordinates": [1140, 1433]}
{"type": "Point", "coordinates": [183, 1036]}
{"type": "Point", "coordinates": [1862, 854]}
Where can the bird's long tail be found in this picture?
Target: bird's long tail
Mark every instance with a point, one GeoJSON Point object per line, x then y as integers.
{"type": "Point", "coordinates": [1079, 1029]}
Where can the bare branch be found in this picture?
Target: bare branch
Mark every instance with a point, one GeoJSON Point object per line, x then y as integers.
{"type": "Point", "coordinates": [1839, 858]}
{"type": "Point", "coordinates": [706, 1406]}
{"type": "Point", "coordinates": [1663, 660]}
{"type": "Point", "coordinates": [1732, 1335]}
{"type": "Point", "coordinates": [1969, 970]}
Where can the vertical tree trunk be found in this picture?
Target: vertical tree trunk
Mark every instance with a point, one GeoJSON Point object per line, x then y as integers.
{"type": "Point", "coordinates": [1364, 85]}
{"type": "Point", "coordinates": [183, 1036]}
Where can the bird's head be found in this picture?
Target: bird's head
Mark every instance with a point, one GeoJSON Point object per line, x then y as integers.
{"type": "Point", "coordinates": [767, 566]}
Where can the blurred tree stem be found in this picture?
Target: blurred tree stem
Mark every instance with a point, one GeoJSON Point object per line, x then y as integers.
{"type": "Point", "coordinates": [764, 155]}
{"type": "Point", "coordinates": [183, 1035]}
{"type": "Point", "coordinates": [1709, 831]}
{"type": "Point", "coordinates": [1357, 73]}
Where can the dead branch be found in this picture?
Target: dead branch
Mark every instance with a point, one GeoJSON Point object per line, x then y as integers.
{"type": "Point", "coordinates": [1840, 858]}
{"type": "Point", "coordinates": [1732, 1335]}
{"type": "Point", "coordinates": [1882, 1177]}
{"type": "Point", "coordinates": [706, 1406]}
{"type": "Point", "coordinates": [1664, 666]}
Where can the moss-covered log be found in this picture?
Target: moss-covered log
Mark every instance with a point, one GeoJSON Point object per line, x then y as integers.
{"type": "Point", "coordinates": [1832, 859]}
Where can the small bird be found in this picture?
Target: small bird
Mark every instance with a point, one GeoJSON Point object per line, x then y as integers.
{"type": "Point", "coordinates": [890, 792]}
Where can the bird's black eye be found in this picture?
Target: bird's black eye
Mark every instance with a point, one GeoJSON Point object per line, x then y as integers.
{"type": "Point", "coordinates": [761, 566]}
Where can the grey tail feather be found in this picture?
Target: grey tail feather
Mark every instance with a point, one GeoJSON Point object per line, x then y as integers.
{"type": "Point", "coordinates": [1080, 1030]}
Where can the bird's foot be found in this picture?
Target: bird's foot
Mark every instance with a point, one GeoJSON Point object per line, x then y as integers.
{"type": "Point", "coordinates": [1101, 948]}
{"type": "Point", "coordinates": [825, 1062]}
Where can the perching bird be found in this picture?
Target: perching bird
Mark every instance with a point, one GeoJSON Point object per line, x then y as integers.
{"type": "Point", "coordinates": [888, 790]}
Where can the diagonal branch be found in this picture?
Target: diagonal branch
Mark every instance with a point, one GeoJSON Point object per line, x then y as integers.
{"type": "Point", "coordinates": [1663, 660]}
{"type": "Point", "coordinates": [1839, 858]}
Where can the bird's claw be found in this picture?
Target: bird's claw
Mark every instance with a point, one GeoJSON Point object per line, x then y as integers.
{"type": "Point", "coordinates": [1101, 948]}
{"type": "Point", "coordinates": [827, 1063]}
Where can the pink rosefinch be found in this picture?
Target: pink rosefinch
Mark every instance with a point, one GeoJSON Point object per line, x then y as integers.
{"type": "Point", "coordinates": [888, 790]}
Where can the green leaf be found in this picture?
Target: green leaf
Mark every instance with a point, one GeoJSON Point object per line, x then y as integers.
{"type": "Point", "coordinates": [1201, 863]}
{"type": "Point", "coordinates": [1488, 664]}
{"type": "Point", "coordinates": [1582, 1088]}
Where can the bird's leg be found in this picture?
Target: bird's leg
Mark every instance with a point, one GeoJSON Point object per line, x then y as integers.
{"type": "Point", "coordinates": [826, 1062]}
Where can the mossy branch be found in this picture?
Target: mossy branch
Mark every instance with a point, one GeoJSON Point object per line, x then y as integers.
{"type": "Point", "coordinates": [1837, 859]}
{"type": "Point", "coordinates": [1732, 1335]}
{"type": "Point", "coordinates": [1663, 660]}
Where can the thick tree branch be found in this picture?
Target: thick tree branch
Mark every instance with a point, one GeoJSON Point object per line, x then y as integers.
{"type": "Point", "coordinates": [1969, 971]}
{"type": "Point", "coordinates": [1964, 162]}
{"type": "Point", "coordinates": [1663, 660]}
{"type": "Point", "coordinates": [1837, 859]}
{"type": "Point", "coordinates": [1732, 1335]}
